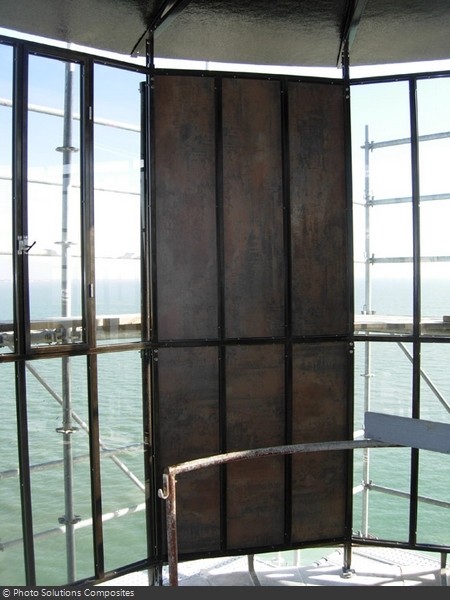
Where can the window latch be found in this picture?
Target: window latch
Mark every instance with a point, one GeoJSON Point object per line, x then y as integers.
{"type": "Point", "coordinates": [22, 245]}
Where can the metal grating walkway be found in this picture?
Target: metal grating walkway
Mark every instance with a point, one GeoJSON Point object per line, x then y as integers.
{"type": "Point", "coordinates": [371, 566]}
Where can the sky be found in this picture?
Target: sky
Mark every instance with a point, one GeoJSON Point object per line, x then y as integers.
{"type": "Point", "coordinates": [384, 108]}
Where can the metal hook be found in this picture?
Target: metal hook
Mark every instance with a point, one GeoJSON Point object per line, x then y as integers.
{"type": "Point", "coordinates": [164, 492]}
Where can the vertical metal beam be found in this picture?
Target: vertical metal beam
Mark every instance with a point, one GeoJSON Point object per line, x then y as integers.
{"type": "Point", "coordinates": [350, 310]}
{"type": "Point", "coordinates": [67, 429]}
{"type": "Point", "coordinates": [147, 133]}
{"type": "Point", "coordinates": [151, 332]}
{"type": "Point", "coordinates": [21, 297]}
{"type": "Point", "coordinates": [20, 197]}
{"type": "Point", "coordinates": [443, 568]}
{"type": "Point", "coordinates": [24, 474]}
{"type": "Point", "coordinates": [416, 303]}
{"type": "Point", "coordinates": [286, 192]}
{"type": "Point", "coordinates": [220, 254]}
{"type": "Point", "coordinates": [87, 204]}
{"type": "Point", "coordinates": [96, 490]}
{"type": "Point", "coordinates": [146, 195]}
{"type": "Point", "coordinates": [87, 201]}
{"type": "Point", "coordinates": [367, 309]}
{"type": "Point", "coordinates": [168, 493]}
{"type": "Point", "coordinates": [151, 185]}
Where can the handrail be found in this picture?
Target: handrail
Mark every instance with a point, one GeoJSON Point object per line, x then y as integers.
{"type": "Point", "coordinates": [168, 491]}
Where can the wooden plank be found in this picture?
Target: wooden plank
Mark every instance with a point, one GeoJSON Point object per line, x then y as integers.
{"type": "Point", "coordinates": [416, 433]}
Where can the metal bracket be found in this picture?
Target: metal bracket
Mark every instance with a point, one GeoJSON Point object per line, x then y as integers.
{"type": "Point", "coordinates": [63, 521]}
{"type": "Point", "coordinates": [65, 430]}
{"type": "Point", "coordinates": [22, 245]}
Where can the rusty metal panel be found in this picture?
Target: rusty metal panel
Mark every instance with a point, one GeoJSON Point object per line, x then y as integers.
{"type": "Point", "coordinates": [188, 428]}
{"type": "Point", "coordinates": [255, 418]}
{"type": "Point", "coordinates": [223, 394]}
{"type": "Point", "coordinates": [255, 503]}
{"type": "Point", "coordinates": [319, 214]}
{"type": "Point", "coordinates": [319, 497]}
{"type": "Point", "coordinates": [319, 414]}
{"type": "Point", "coordinates": [186, 251]}
{"type": "Point", "coordinates": [253, 208]}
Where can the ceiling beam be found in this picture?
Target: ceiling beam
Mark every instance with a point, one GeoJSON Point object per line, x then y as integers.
{"type": "Point", "coordinates": [166, 13]}
{"type": "Point", "coordinates": [355, 11]}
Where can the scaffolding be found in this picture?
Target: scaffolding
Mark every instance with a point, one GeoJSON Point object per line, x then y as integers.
{"type": "Point", "coordinates": [68, 329]}
{"type": "Point", "coordinates": [368, 322]}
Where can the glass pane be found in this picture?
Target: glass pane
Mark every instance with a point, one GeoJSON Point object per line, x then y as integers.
{"type": "Point", "coordinates": [435, 283]}
{"type": "Point", "coordinates": [383, 234]}
{"type": "Point", "coordinates": [60, 469]}
{"type": "Point", "coordinates": [434, 467]}
{"type": "Point", "coordinates": [122, 464]}
{"type": "Point", "coordinates": [383, 383]}
{"type": "Point", "coordinates": [117, 170]}
{"type": "Point", "coordinates": [12, 571]}
{"type": "Point", "coordinates": [6, 272]}
{"type": "Point", "coordinates": [433, 98]}
{"type": "Point", "coordinates": [54, 202]}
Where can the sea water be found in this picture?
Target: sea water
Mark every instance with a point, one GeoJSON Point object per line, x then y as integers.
{"type": "Point", "coordinates": [391, 391]}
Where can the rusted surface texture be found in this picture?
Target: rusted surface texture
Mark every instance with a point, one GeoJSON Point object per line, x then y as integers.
{"type": "Point", "coordinates": [237, 396]}
{"type": "Point", "coordinates": [255, 402]}
{"type": "Point", "coordinates": [170, 495]}
{"type": "Point", "coordinates": [188, 428]}
{"type": "Point", "coordinates": [198, 510]}
{"type": "Point", "coordinates": [319, 411]}
{"type": "Point", "coordinates": [188, 411]}
{"type": "Point", "coordinates": [255, 503]}
{"type": "Point", "coordinates": [253, 212]}
{"type": "Point", "coordinates": [319, 233]}
{"type": "Point", "coordinates": [185, 207]}
{"type": "Point", "coordinates": [318, 496]}
{"type": "Point", "coordinates": [229, 457]}
{"type": "Point", "coordinates": [320, 392]}
{"type": "Point", "coordinates": [255, 418]}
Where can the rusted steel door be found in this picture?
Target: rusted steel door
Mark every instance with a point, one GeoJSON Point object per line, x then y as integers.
{"type": "Point", "coordinates": [251, 306]}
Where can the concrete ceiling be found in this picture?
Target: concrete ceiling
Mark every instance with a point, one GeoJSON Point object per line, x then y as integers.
{"type": "Point", "coordinates": [281, 32]}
